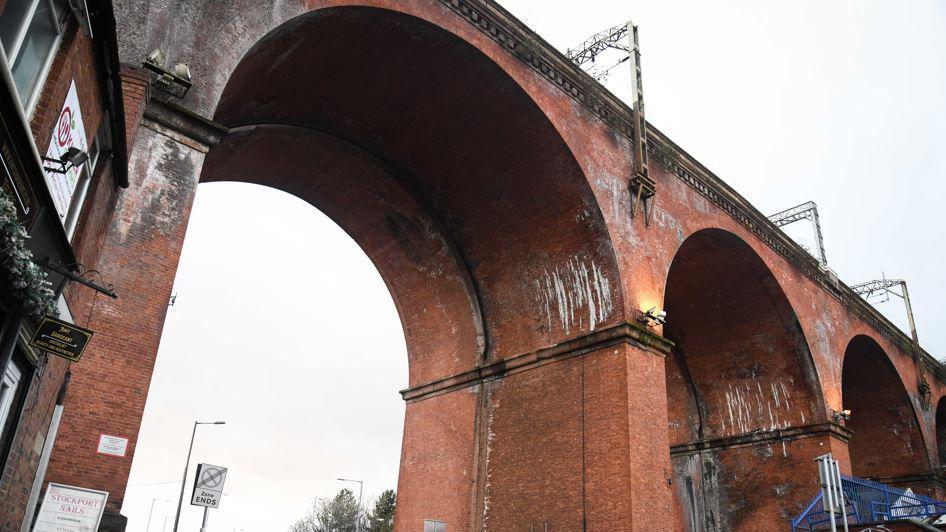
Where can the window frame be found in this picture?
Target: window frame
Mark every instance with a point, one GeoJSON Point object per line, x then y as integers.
{"type": "Point", "coordinates": [9, 385]}
{"type": "Point", "coordinates": [13, 402]}
{"type": "Point", "coordinates": [59, 18]}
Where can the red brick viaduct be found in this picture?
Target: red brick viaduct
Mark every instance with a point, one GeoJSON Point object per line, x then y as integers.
{"type": "Point", "coordinates": [487, 178]}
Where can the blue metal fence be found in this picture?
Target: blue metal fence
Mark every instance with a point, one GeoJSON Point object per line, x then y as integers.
{"type": "Point", "coordinates": [869, 502]}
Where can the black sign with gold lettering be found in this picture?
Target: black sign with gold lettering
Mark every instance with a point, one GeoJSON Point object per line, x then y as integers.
{"type": "Point", "coordinates": [61, 338]}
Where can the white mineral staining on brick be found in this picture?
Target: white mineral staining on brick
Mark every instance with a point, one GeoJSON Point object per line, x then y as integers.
{"type": "Point", "coordinates": [747, 408]}
{"type": "Point", "coordinates": [490, 435]}
{"type": "Point", "coordinates": [576, 296]}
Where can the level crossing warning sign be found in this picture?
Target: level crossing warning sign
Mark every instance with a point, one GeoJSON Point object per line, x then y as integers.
{"type": "Point", "coordinates": [208, 485]}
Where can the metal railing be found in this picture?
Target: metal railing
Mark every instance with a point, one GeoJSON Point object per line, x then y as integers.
{"type": "Point", "coordinates": [869, 502]}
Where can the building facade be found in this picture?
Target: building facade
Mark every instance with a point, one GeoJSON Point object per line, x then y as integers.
{"type": "Point", "coordinates": [59, 92]}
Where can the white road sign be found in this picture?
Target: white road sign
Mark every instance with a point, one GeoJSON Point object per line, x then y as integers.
{"type": "Point", "coordinates": [208, 485]}
{"type": "Point", "coordinates": [70, 509]}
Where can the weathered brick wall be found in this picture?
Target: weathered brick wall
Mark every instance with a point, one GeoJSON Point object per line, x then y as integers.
{"type": "Point", "coordinates": [135, 92]}
{"type": "Point", "coordinates": [139, 257]}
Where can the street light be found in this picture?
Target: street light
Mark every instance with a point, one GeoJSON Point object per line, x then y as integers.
{"type": "Point", "coordinates": [361, 485]}
{"type": "Point", "coordinates": [180, 501]}
{"type": "Point", "coordinates": [148, 528]}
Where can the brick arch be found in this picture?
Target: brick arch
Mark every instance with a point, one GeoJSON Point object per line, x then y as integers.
{"type": "Point", "coordinates": [887, 442]}
{"type": "Point", "coordinates": [739, 376]}
{"type": "Point", "coordinates": [473, 154]}
{"type": "Point", "coordinates": [720, 291]}
{"type": "Point", "coordinates": [462, 192]}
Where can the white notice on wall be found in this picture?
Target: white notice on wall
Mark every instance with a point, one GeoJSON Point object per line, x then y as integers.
{"type": "Point", "coordinates": [70, 509]}
{"type": "Point", "coordinates": [112, 445]}
{"type": "Point", "coordinates": [69, 132]}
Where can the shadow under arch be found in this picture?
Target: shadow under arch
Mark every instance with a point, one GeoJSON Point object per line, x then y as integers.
{"type": "Point", "coordinates": [887, 443]}
{"type": "Point", "coordinates": [740, 376]}
{"type": "Point", "coordinates": [457, 186]}
{"type": "Point", "coordinates": [941, 431]}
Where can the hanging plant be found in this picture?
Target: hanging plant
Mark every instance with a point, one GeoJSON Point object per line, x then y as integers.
{"type": "Point", "coordinates": [28, 282]}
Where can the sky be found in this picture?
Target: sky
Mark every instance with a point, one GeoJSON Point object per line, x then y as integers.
{"type": "Point", "coordinates": [840, 102]}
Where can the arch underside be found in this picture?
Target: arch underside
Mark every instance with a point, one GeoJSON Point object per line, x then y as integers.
{"type": "Point", "coordinates": [740, 375]}
{"type": "Point", "coordinates": [445, 171]}
{"type": "Point", "coordinates": [887, 443]}
{"type": "Point", "coordinates": [463, 194]}
{"type": "Point", "coordinates": [940, 421]}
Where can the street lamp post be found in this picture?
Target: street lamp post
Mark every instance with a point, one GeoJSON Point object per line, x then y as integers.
{"type": "Point", "coordinates": [361, 485]}
{"type": "Point", "coordinates": [180, 501]}
{"type": "Point", "coordinates": [148, 527]}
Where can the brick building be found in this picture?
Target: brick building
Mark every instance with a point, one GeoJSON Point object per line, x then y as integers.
{"type": "Point", "coordinates": [59, 90]}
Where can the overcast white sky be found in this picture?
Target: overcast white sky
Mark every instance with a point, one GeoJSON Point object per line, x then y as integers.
{"type": "Point", "coordinates": [284, 329]}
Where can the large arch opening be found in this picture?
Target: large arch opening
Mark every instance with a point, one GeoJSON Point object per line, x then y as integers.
{"type": "Point", "coordinates": [887, 444]}
{"type": "Point", "coordinates": [437, 163]}
{"type": "Point", "coordinates": [461, 192]}
{"type": "Point", "coordinates": [739, 376]}
{"type": "Point", "coordinates": [283, 328]}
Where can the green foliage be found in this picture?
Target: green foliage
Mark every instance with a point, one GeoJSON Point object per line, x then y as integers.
{"type": "Point", "coordinates": [28, 282]}
{"type": "Point", "coordinates": [341, 513]}
{"type": "Point", "coordinates": [381, 518]}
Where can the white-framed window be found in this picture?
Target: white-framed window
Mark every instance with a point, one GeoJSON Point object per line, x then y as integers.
{"type": "Point", "coordinates": [9, 384]}
{"type": "Point", "coordinates": [30, 31]}
{"type": "Point", "coordinates": [432, 525]}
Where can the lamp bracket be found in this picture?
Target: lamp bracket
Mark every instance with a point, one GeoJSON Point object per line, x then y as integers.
{"type": "Point", "coordinates": [82, 275]}
{"type": "Point", "coordinates": [167, 80]}
{"type": "Point", "coordinates": [643, 190]}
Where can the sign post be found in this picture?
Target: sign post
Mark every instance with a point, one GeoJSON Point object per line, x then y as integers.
{"type": "Point", "coordinates": [208, 488]}
{"type": "Point", "coordinates": [832, 495]}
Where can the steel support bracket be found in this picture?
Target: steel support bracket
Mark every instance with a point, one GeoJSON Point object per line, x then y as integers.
{"type": "Point", "coordinates": [643, 190]}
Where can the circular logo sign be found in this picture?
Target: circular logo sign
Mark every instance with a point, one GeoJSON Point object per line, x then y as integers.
{"type": "Point", "coordinates": [64, 130]}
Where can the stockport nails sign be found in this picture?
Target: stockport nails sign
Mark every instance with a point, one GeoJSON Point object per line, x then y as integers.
{"type": "Point", "coordinates": [70, 509]}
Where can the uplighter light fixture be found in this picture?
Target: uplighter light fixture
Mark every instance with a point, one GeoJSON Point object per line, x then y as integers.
{"type": "Point", "coordinates": [841, 417]}
{"type": "Point", "coordinates": [652, 317]}
{"type": "Point", "coordinates": [176, 81]}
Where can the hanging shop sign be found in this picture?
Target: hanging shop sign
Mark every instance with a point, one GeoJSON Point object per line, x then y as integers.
{"type": "Point", "coordinates": [70, 509]}
{"type": "Point", "coordinates": [68, 133]}
{"type": "Point", "coordinates": [61, 338]}
{"type": "Point", "coordinates": [208, 485]}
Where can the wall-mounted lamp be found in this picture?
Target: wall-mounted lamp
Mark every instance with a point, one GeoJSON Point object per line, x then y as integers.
{"type": "Point", "coordinates": [841, 417]}
{"type": "Point", "coordinates": [73, 158]}
{"type": "Point", "coordinates": [176, 81]}
{"type": "Point", "coordinates": [652, 317]}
